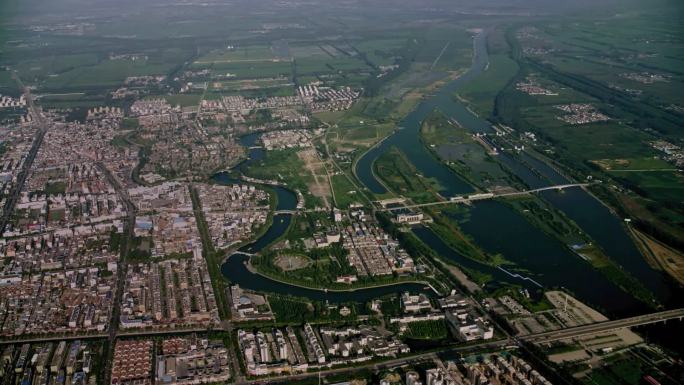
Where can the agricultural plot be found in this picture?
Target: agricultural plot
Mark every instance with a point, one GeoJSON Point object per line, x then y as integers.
{"type": "Point", "coordinates": [661, 186]}
{"type": "Point", "coordinates": [7, 85]}
{"type": "Point", "coordinates": [237, 54]}
{"type": "Point", "coordinates": [446, 49]}
{"type": "Point", "coordinates": [108, 73]}
{"type": "Point", "coordinates": [248, 70]}
{"type": "Point", "coordinates": [589, 141]}
{"type": "Point", "coordinates": [632, 55]}
{"type": "Point", "coordinates": [42, 68]}
{"type": "Point", "coordinates": [72, 100]}
{"type": "Point", "coordinates": [324, 59]}
{"type": "Point", "coordinates": [381, 52]}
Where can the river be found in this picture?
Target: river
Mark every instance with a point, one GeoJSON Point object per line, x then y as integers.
{"type": "Point", "coordinates": [499, 229]}
{"type": "Point", "coordinates": [235, 269]}
{"type": "Point", "coordinates": [540, 259]}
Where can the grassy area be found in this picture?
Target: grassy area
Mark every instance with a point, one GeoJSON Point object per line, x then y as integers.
{"type": "Point", "coordinates": [620, 371]}
{"type": "Point", "coordinates": [449, 232]}
{"type": "Point", "coordinates": [345, 192]}
{"type": "Point", "coordinates": [632, 164]}
{"type": "Point", "coordinates": [665, 187]}
{"type": "Point", "coordinates": [285, 166]}
{"type": "Point", "coordinates": [238, 54]}
{"type": "Point", "coordinates": [327, 264]}
{"type": "Point", "coordinates": [108, 73]}
{"type": "Point", "coordinates": [550, 220]}
{"type": "Point", "coordinates": [400, 176]}
{"type": "Point", "coordinates": [55, 188]}
{"type": "Point", "coordinates": [7, 85]}
{"type": "Point", "coordinates": [380, 51]}
{"type": "Point", "coordinates": [183, 100]}
{"type": "Point", "coordinates": [428, 330]}
{"type": "Point", "coordinates": [289, 310]}
{"type": "Point", "coordinates": [456, 147]}
{"type": "Point", "coordinates": [248, 70]}
{"type": "Point", "coordinates": [481, 92]}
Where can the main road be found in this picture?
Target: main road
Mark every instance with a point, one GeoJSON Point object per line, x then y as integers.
{"type": "Point", "coordinates": [122, 267]}
{"type": "Point", "coordinates": [39, 121]}
{"type": "Point", "coordinates": [412, 359]}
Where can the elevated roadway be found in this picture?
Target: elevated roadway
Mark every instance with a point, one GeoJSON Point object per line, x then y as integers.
{"type": "Point", "coordinates": [600, 327]}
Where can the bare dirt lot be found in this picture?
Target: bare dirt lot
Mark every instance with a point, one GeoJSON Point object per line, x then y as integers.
{"type": "Point", "coordinates": [320, 187]}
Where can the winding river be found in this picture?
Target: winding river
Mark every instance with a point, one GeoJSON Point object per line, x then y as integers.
{"type": "Point", "coordinates": [235, 266]}
{"type": "Point", "coordinates": [540, 259]}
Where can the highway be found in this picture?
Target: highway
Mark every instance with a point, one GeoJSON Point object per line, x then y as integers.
{"type": "Point", "coordinates": [604, 326]}
{"type": "Point", "coordinates": [38, 120]}
{"type": "Point", "coordinates": [485, 196]}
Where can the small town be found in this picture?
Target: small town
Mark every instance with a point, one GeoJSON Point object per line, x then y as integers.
{"type": "Point", "coordinates": [581, 114]}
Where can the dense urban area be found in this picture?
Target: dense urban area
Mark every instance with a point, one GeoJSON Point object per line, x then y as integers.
{"type": "Point", "coordinates": [383, 192]}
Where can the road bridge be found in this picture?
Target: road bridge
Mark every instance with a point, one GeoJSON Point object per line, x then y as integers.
{"type": "Point", "coordinates": [599, 327]}
{"type": "Point", "coordinates": [483, 196]}
{"type": "Point", "coordinates": [285, 212]}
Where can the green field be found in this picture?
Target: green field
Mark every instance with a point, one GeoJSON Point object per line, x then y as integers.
{"type": "Point", "coordinates": [238, 54]}
{"type": "Point", "coordinates": [7, 85]}
{"type": "Point", "coordinates": [380, 52]}
{"type": "Point", "coordinates": [589, 61]}
{"type": "Point", "coordinates": [428, 330]}
{"type": "Point", "coordinates": [108, 73]}
{"type": "Point", "coordinates": [457, 147]}
{"type": "Point", "coordinates": [183, 100]}
{"type": "Point", "coordinates": [345, 192]}
{"type": "Point", "coordinates": [285, 166]}
{"type": "Point", "coordinates": [399, 175]}
{"type": "Point", "coordinates": [482, 92]}
{"type": "Point", "coordinates": [249, 70]}
{"type": "Point", "coordinates": [666, 187]}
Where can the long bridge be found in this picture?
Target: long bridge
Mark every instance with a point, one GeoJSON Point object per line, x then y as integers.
{"type": "Point", "coordinates": [285, 212]}
{"type": "Point", "coordinates": [605, 326]}
{"type": "Point", "coordinates": [483, 196]}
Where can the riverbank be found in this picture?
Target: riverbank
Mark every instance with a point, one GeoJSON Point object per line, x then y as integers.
{"type": "Point", "coordinates": [660, 255]}
{"type": "Point", "coordinates": [254, 270]}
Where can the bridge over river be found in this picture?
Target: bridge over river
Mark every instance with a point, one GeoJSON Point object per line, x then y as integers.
{"type": "Point", "coordinates": [484, 196]}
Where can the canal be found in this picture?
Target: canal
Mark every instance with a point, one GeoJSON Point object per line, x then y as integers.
{"type": "Point", "coordinates": [499, 229]}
